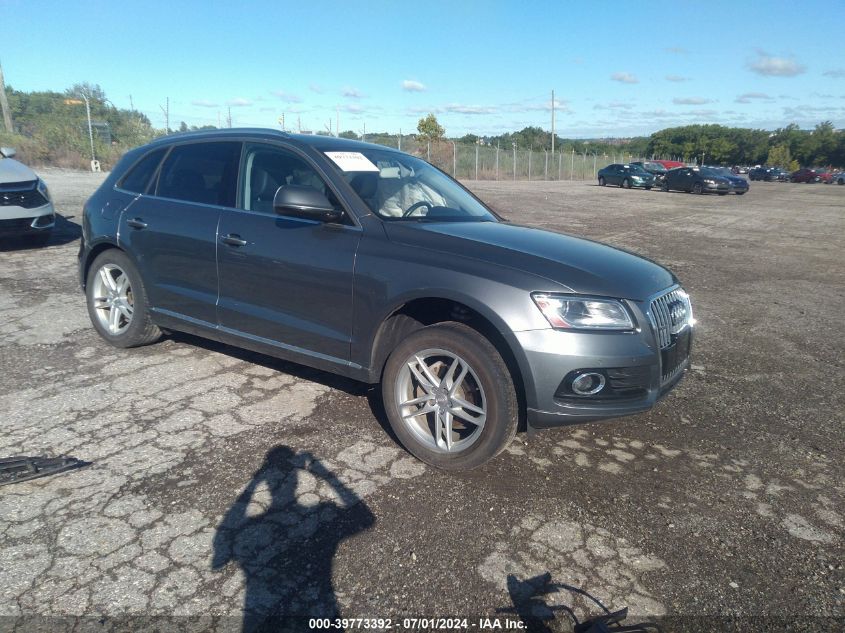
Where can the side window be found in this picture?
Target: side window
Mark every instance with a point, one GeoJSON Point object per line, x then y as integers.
{"type": "Point", "coordinates": [266, 168]}
{"type": "Point", "coordinates": [139, 177]}
{"type": "Point", "coordinates": [201, 172]}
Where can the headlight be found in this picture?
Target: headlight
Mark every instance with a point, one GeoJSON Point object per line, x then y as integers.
{"type": "Point", "coordinates": [637, 177]}
{"type": "Point", "coordinates": [42, 189]}
{"type": "Point", "coordinates": [709, 181]}
{"type": "Point", "coordinates": [568, 312]}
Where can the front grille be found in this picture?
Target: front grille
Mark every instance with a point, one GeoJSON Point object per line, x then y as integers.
{"type": "Point", "coordinates": [671, 315]}
{"type": "Point", "coordinates": [28, 199]}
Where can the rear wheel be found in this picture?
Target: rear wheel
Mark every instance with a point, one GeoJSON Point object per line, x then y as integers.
{"type": "Point", "coordinates": [449, 397]}
{"type": "Point", "coordinates": [117, 301]}
{"type": "Point", "coordinates": [602, 181]}
{"type": "Point", "coordinates": [626, 184]}
{"type": "Point", "coordinates": [697, 188]}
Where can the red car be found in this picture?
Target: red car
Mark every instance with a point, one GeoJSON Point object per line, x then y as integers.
{"type": "Point", "coordinates": [804, 175]}
{"type": "Point", "coordinates": [824, 175]}
{"type": "Point", "coordinates": [670, 164]}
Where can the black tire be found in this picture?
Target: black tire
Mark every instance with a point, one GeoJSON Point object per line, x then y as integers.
{"type": "Point", "coordinates": [664, 187]}
{"type": "Point", "coordinates": [494, 380]}
{"type": "Point", "coordinates": [697, 189]}
{"type": "Point", "coordinates": [626, 184]}
{"type": "Point", "coordinates": [648, 188]}
{"type": "Point", "coordinates": [602, 181]}
{"type": "Point", "coordinates": [723, 193]}
{"type": "Point", "coordinates": [841, 181]}
{"type": "Point", "coordinates": [740, 193]}
{"type": "Point", "coordinates": [140, 330]}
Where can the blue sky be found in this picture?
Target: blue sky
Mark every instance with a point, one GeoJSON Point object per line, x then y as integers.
{"type": "Point", "coordinates": [618, 68]}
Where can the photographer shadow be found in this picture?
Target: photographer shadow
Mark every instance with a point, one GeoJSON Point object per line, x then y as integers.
{"type": "Point", "coordinates": [283, 531]}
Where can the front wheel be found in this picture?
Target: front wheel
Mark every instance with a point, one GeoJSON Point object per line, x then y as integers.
{"type": "Point", "coordinates": [602, 181]}
{"type": "Point", "coordinates": [450, 397]}
{"type": "Point", "coordinates": [697, 189]}
{"type": "Point", "coordinates": [117, 301]}
{"type": "Point", "coordinates": [664, 187]}
{"type": "Point", "coordinates": [740, 193]}
{"type": "Point", "coordinates": [626, 184]}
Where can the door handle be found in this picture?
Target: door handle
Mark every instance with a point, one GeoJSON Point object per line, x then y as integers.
{"type": "Point", "coordinates": [233, 240]}
{"type": "Point", "coordinates": [137, 223]}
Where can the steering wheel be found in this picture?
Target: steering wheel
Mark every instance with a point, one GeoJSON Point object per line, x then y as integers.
{"type": "Point", "coordinates": [415, 206]}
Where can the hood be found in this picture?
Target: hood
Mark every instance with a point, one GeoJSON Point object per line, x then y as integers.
{"type": "Point", "coordinates": [13, 171]}
{"type": "Point", "coordinates": [583, 266]}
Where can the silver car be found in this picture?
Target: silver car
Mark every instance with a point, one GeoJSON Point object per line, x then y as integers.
{"type": "Point", "coordinates": [26, 210]}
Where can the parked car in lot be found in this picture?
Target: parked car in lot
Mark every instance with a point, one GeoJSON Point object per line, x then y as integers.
{"type": "Point", "coordinates": [626, 176]}
{"type": "Point", "coordinates": [805, 174]}
{"type": "Point", "coordinates": [779, 175]}
{"type": "Point", "coordinates": [26, 211]}
{"type": "Point", "coordinates": [369, 263]}
{"type": "Point", "coordinates": [696, 180]}
{"type": "Point", "coordinates": [838, 178]}
{"type": "Point", "coordinates": [760, 173]}
{"type": "Point", "coordinates": [739, 169]}
{"type": "Point", "coordinates": [670, 164]}
{"type": "Point", "coordinates": [655, 169]}
{"type": "Point", "coordinates": [824, 175]}
{"type": "Point", "coordinates": [739, 185]}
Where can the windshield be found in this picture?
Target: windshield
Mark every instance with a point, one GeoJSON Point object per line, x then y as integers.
{"type": "Point", "coordinates": [720, 171]}
{"type": "Point", "coordinates": [709, 172]}
{"type": "Point", "coordinates": [637, 169]}
{"type": "Point", "coordinates": [398, 186]}
{"type": "Point", "coordinates": [655, 167]}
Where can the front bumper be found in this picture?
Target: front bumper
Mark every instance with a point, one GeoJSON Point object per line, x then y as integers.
{"type": "Point", "coordinates": [20, 221]}
{"type": "Point", "coordinates": [643, 183]}
{"type": "Point", "coordinates": [632, 361]}
{"type": "Point", "coordinates": [717, 188]}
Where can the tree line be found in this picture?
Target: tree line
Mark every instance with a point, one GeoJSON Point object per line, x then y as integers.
{"type": "Point", "coordinates": [51, 128]}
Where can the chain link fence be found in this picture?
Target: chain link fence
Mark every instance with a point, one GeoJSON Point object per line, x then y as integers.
{"type": "Point", "coordinates": [485, 162]}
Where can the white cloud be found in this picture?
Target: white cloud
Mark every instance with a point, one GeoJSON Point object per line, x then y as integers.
{"type": "Point", "coordinates": [468, 109]}
{"type": "Point", "coordinates": [613, 105]}
{"type": "Point", "coordinates": [835, 73]}
{"type": "Point", "coordinates": [287, 97]}
{"type": "Point", "coordinates": [771, 66]}
{"type": "Point", "coordinates": [352, 93]}
{"type": "Point", "coordinates": [202, 103]}
{"type": "Point", "coordinates": [410, 85]}
{"type": "Point", "coordinates": [676, 78]}
{"type": "Point", "coordinates": [691, 100]}
{"type": "Point", "coordinates": [677, 50]}
{"type": "Point", "coordinates": [625, 78]}
{"type": "Point", "coordinates": [316, 88]}
{"type": "Point", "coordinates": [751, 97]}
{"type": "Point", "coordinates": [352, 109]}
{"type": "Point", "coordinates": [239, 102]}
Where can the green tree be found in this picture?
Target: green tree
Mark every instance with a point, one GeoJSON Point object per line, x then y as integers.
{"type": "Point", "coordinates": [429, 129]}
{"type": "Point", "coordinates": [779, 156]}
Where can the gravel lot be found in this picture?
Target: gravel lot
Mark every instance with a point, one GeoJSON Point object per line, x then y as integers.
{"type": "Point", "coordinates": [222, 478]}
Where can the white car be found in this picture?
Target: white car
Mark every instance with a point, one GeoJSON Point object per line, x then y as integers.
{"type": "Point", "coordinates": [25, 206]}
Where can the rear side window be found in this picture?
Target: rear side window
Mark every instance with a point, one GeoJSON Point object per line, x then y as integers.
{"type": "Point", "coordinates": [139, 177]}
{"type": "Point", "coordinates": [201, 172]}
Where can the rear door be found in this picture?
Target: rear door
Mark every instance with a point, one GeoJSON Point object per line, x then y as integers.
{"type": "Point", "coordinates": [285, 281]}
{"type": "Point", "coordinates": [172, 231]}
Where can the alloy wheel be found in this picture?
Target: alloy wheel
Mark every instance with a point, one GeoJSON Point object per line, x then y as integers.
{"type": "Point", "coordinates": [112, 298]}
{"type": "Point", "coordinates": [441, 400]}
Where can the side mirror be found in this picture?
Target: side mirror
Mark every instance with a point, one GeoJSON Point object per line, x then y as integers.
{"type": "Point", "coordinates": [8, 152]}
{"type": "Point", "coordinates": [306, 203]}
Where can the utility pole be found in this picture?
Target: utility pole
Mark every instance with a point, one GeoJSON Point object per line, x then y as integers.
{"type": "Point", "coordinates": [514, 161]}
{"type": "Point", "coordinates": [399, 140]}
{"type": "Point", "coordinates": [454, 160]}
{"type": "Point", "coordinates": [476, 160]}
{"type": "Point", "coordinates": [529, 164]}
{"type": "Point", "coordinates": [497, 160]}
{"type": "Point", "coordinates": [553, 122]}
{"type": "Point", "coordinates": [4, 104]}
{"type": "Point", "coordinates": [298, 125]}
{"type": "Point", "coordinates": [131, 104]}
{"type": "Point", "coordinates": [229, 117]}
{"type": "Point", "coordinates": [166, 110]}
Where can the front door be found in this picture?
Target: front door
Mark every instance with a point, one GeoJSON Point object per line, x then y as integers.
{"type": "Point", "coordinates": [285, 281]}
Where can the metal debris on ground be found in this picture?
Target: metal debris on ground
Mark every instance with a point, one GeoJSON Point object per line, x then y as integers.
{"type": "Point", "coordinates": [16, 469]}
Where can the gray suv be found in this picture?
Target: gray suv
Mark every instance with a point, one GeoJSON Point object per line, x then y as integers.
{"type": "Point", "coordinates": [370, 263]}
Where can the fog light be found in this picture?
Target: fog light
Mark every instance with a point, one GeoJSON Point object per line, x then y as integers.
{"type": "Point", "coordinates": [588, 384]}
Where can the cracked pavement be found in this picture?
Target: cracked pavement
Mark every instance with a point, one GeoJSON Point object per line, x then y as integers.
{"type": "Point", "coordinates": [229, 485]}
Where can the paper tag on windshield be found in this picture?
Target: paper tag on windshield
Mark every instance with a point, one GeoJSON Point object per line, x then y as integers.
{"type": "Point", "coordinates": [352, 161]}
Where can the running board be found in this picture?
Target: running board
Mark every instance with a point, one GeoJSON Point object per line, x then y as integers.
{"type": "Point", "coordinates": [16, 469]}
